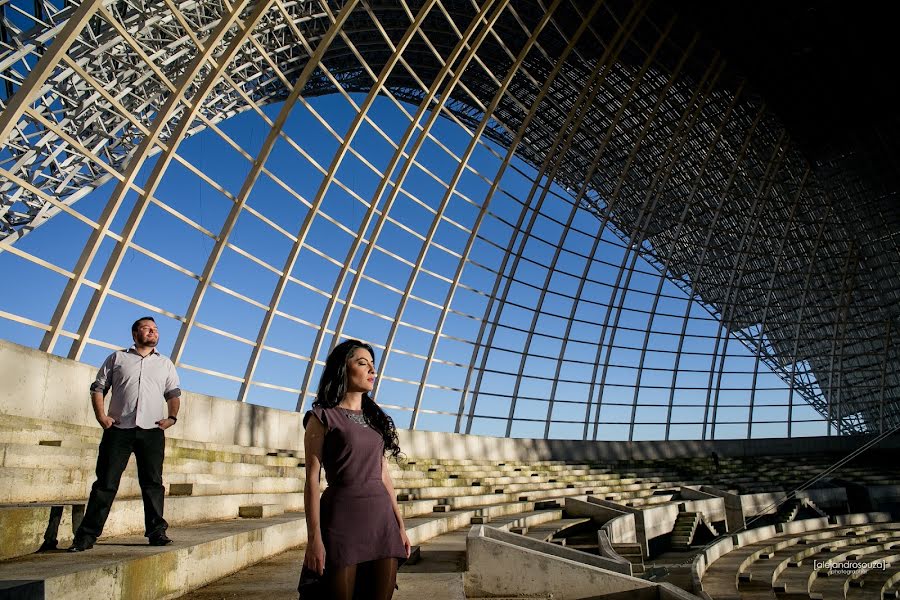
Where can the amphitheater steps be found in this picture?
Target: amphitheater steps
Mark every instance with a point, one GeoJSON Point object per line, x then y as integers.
{"type": "Point", "coordinates": [24, 527]}
{"type": "Point", "coordinates": [832, 586]}
{"type": "Point", "coordinates": [683, 531]}
{"type": "Point", "coordinates": [801, 572]}
{"type": "Point", "coordinates": [436, 576]}
{"type": "Point", "coordinates": [633, 554]}
{"type": "Point", "coordinates": [750, 571]}
{"type": "Point", "coordinates": [765, 573]}
{"type": "Point", "coordinates": [126, 567]}
{"type": "Point", "coordinates": [549, 530]}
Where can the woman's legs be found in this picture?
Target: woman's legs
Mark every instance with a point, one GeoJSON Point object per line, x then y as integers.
{"type": "Point", "coordinates": [379, 578]}
{"type": "Point", "coordinates": [341, 582]}
{"type": "Point", "coordinates": [384, 578]}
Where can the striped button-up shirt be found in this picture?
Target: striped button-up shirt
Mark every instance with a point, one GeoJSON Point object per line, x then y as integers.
{"type": "Point", "coordinates": [140, 387]}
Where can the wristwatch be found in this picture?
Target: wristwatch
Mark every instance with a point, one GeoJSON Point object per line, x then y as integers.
{"type": "Point", "coordinates": [174, 418]}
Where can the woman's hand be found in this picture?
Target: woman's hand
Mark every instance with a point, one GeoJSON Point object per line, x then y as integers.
{"type": "Point", "coordinates": [405, 538]}
{"type": "Point", "coordinates": [315, 556]}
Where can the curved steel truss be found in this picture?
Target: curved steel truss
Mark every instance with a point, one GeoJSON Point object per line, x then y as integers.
{"type": "Point", "coordinates": [630, 115]}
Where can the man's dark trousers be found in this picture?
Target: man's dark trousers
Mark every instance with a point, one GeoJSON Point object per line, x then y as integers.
{"type": "Point", "coordinates": [149, 447]}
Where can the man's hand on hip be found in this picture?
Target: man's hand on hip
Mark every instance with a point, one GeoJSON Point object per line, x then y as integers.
{"type": "Point", "coordinates": [106, 421]}
{"type": "Point", "coordinates": [165, 423]}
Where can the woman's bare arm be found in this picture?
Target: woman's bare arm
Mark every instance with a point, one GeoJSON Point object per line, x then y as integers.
{"type": "Point", "coordinates": [389, 486]}
{"type": "Point", "coordinates": [313, 441]}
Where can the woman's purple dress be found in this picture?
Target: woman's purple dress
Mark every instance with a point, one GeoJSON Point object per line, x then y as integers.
{"type": "Point", "coordinates": [356, 516]}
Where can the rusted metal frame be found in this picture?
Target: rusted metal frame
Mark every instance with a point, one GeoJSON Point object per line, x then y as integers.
{"type": "Point", "coordinates": [427, 100]}
{"type": "Point", "coordinates": [34, 83]}
{"type": "Point", "coordinates": [579, 110]}
{"type": "Point", "coordinates": [693, 110]}
{"type": "Point", "coordinates": [117, 197]}
{"type": "Point", "coordinates": [762, 326]}
{"type": "Point", "coordinates": [483, 211]}
{"type": "Point", "coordinates": [548, 179]}
{"type": "Point", "coordinates": [320, 197]}
{"type": "Point", "coordinates": [846, 291]}
{"type": "Point", "coordinates": [445, 201]}
{"type": "Point", "coordinates": [736, 274]}
{"type": "Point", "coordinates": [231, 220]}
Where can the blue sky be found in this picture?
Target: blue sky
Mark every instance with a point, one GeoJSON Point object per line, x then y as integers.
{"type": "Point", "coordinates": [60, 241]}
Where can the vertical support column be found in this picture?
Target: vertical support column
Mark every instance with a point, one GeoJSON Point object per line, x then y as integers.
{"type": "Point", "coordinates": [887, 351]}
{"type": "Point", "coordinates": [836, 339]}
{"type": "Point", "coordinates": [797, 330]}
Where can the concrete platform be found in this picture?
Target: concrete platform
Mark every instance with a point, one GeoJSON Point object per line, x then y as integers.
{"type": "Point", "coordinates": [127, 567]}
{"type": "Point", "coordinates": [437, 575]}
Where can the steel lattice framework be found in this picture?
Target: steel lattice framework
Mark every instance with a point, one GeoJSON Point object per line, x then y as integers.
{"type": "Point", "coordinates": [630, 115]}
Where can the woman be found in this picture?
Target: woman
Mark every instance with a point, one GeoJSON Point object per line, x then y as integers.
{"type": "Point", "coordinates": [356, 531]}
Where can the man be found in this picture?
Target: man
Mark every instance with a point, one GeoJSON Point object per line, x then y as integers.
{"type": "Point", "coordinates": [145, 402]}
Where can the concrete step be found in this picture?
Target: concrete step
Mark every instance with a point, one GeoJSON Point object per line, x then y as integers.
{"type": "Point", "coordinates": [28, 528]}
{"type": "Point", "coordinates": [26, 484]}
{"type": "Point", "coordinates": [126, 517]}
{"type": "Point", "coordinates": [29, 430]}
{"type": "Point", "coordinates": [558, 526]}
{"type": "Point", "coordinates": [260, 511]}
{"type": "Point", "coordinates": [525, 521]}
{"type": "Point", "coordinates": [127, 567]}
{"type": "Point", "coordinates": [85, 459]}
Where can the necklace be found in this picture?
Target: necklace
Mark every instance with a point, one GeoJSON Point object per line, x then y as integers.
{"type": "Point", "coordinates": [358, 418]}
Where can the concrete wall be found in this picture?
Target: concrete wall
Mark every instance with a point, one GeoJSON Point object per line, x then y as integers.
{"type": "Point", "coordinates": [713, 508]}
{"type": "Point", "coordinates": [765, 503]}
{"type": "Point", "coordinates": [618, 524]}
{"type": "Point", "coordinates": [659, 520]}
{"type": "Point", "coordinates": [830, 499]}
{"type": "Point", "coordinates": [734, 512]}
{"type": "Point", "coordinates": [500, 564]}
{"type": "Point", "coordinates": [43, 386]}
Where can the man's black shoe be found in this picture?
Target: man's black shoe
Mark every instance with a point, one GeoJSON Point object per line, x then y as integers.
{"type": "Point", "coordinates": [160, 540]}
{"type": "Point", "coordinates": [81, 545]}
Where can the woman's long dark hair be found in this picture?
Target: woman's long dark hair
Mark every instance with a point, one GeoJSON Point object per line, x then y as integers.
{"type": "Point", "coordinates": [333, 386]}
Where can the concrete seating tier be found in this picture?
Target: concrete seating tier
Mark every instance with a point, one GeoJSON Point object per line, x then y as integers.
{"type": "Point", "coordinates": [784, 566]}
{"type": "Point", "coordinates": [556, 528]}
{"type": "Point", "coordinates": [789, 563]}
{"type": "Point", "coordinates": [770, 473]}
{"type": "Point", "coordinates": [119, 556]}
{"type": "Point", "coordinates": [829, 585]}
{"type": "Point", "coordinates": [804, 578]}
